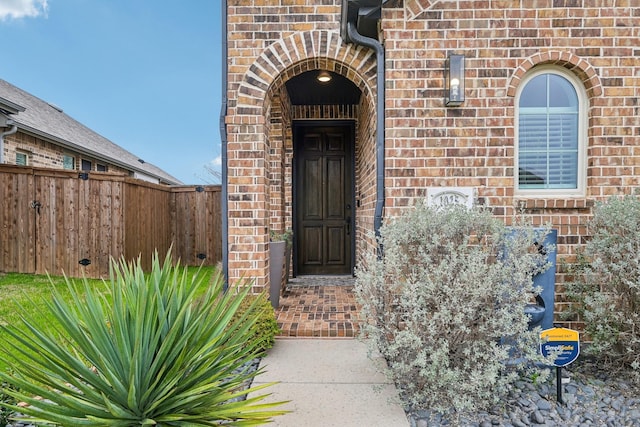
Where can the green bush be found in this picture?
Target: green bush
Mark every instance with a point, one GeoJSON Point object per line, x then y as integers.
{"type": "Point", "coordinates": [266, 326]}
{"type": "Point", "coordinates": [445, 306]}
{"type": "Point", "coordinates": [157, 351]}
{"type": "Point", "coordinates": [607, 283]}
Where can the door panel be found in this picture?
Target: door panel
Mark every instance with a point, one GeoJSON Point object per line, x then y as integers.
{"type": "Point", "coordinates": [323, 199]}
{"type": "Point", "coordinates": [313, 249]}
{"type": "Point", "coordinates": [335, 202]}
{"type": "Point", "coordinates": [335, 245]}
{"type": "Point", "coordinates": [311, 182]}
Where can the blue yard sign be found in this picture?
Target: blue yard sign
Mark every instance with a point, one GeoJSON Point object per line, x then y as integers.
{"type": "Point", "coordinates": [563, 342]}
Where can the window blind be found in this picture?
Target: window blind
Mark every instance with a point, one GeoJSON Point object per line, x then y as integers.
{"type": "Point", "coordinates": [548, 140]}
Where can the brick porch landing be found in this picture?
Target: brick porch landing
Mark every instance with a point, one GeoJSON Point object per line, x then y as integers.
{"type": "Point", "coordinates": [318, 306]}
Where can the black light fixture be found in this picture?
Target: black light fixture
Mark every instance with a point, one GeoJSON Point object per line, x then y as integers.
{"type": "Point", "coordinates": [324, 76]}
{"type": "Point", "coordinates": [454, 80]}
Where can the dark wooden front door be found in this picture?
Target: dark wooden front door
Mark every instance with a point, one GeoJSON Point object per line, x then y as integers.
{"type": "Point", "coordinates": [324, 199]}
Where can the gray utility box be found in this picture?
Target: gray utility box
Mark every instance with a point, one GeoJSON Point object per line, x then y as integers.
{"type": "Point", "coordinates": [541, 312]}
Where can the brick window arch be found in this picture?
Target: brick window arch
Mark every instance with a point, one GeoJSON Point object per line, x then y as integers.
{"type": "Point", "coordinates": [551, 133]}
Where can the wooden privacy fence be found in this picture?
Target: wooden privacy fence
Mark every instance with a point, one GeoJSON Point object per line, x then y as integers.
{"type": "Point", "coordinates": [54, 221]}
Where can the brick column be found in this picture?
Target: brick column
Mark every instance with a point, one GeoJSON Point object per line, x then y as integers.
{"type": "Point", "coordinates": [248, 199]}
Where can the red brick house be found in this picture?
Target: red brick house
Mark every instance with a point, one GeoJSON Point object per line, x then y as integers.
{"type": "Point", "coordinates": [36, 133]}
{"type": "Point", "coordinates": [531, 105]}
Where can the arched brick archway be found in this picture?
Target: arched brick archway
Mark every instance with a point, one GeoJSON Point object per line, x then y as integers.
{"type": "Point", "coordinates": [257, 134]}
{"type": "Point", "coordinates": [301, 52]}
{"type": "Point", "coordinates": [577, 65]}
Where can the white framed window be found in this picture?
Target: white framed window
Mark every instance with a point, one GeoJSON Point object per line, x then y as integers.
{"type": "Point", "coordinates": [551, 133]}
{"type": "Point", "coordinates": [68, 162]}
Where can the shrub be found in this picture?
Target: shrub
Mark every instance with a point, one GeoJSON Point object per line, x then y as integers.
{"type": "Point", "coordinates": [445, 302]}
{"type": "Point", "coordinates": [266, 326]}
{"type": "Point", "coordinates": [607, 283]}
{"type": "Point", "coordinates": [159, 354]}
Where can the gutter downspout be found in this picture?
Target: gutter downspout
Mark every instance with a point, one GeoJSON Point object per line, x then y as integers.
{"type": "Point", "coordinates": [11, 131]}
{"type": "Point", "coordinates": [374, 44]}
{"type": "Point", "coordinates": [223, 150]}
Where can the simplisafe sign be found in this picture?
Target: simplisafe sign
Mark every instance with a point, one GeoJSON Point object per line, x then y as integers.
{"type": "Point", "coordinates": [563, 342]}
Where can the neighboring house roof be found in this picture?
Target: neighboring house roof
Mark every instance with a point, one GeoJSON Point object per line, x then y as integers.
{"type": "Point", "coordinates": [50, 123]}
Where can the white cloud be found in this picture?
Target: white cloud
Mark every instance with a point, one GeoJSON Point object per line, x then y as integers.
{"type": "Point", "coordinates": [216, 162]}
{"type": "Point", "coordinates": [16, 9]}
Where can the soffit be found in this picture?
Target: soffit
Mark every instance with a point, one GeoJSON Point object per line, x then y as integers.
{"type": "Point", "coordinates": [305, 89]}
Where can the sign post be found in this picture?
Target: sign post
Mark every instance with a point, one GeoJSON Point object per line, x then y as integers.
{"type": "Point", "coordinates": [564, 344]}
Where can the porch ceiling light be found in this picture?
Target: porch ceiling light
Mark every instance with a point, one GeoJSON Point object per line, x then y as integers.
{"type": "Point", "coordinates": [454, 80]}
{"type": "Point", "coordinates": [324, 77]}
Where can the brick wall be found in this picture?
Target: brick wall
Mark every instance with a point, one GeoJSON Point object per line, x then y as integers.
{"type": "Point", "coordinates": [41, 153]}
{"type": "Point", "coordinates": [428, 145]}
{"type": "Point", "coordinates": [365, 178]}
{"type": "Point", "coordinates": [473, 145]}
{"type": "Point", "coordinates": [269, 43]}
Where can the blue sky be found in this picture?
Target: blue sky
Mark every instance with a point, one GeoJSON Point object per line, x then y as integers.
{"type": "Point", "coordinates": [145, 74]}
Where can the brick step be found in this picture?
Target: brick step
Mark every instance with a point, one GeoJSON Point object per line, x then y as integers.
{"type": "Point", "coordinates": [318, 311]}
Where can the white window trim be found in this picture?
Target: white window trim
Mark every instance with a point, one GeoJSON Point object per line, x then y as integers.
{"type": "Point", "coordinates": [583, 111]}
{"type": "Point", "coordinates": [72, 157]}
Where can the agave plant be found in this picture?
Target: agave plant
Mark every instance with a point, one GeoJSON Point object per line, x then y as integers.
{"type": "Point", "coordinates": [146, 350]}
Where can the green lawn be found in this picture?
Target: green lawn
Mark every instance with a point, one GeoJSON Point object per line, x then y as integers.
{"type": "Point", "coordinates": [28, 294]}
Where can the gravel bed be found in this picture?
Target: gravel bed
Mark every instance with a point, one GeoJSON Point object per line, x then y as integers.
{"type": "Point", "coordinates": [591, 398]}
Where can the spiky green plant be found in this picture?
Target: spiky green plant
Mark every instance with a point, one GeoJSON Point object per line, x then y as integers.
{"type": "Point", "coordinates": [143, 350]}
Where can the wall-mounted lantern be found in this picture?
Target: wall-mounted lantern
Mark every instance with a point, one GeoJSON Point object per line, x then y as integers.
{"type": "Point", "coordinates": [454, 80]}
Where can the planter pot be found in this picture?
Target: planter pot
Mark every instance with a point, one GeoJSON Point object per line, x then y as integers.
{"type": "Point", "coordinates": [276, 270]}
{"type": "Point", "coordinates": [287, 265]}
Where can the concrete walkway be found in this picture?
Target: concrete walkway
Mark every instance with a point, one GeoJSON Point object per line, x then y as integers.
{"type": "Point", "coordinates": [329, 382]}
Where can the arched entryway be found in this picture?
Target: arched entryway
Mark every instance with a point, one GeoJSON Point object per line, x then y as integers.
{"type": "Point", "coordinates": [315, 190]}
{"type": "Point", "coordinates": [322, 156]}
{"type": "Point", "coordinates": [280, 108]}
{"type": "Point", "coordinates": [260, 146]}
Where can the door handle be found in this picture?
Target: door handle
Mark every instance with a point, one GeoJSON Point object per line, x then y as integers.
{"type": "Point", "coordinates": [348, 226]}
